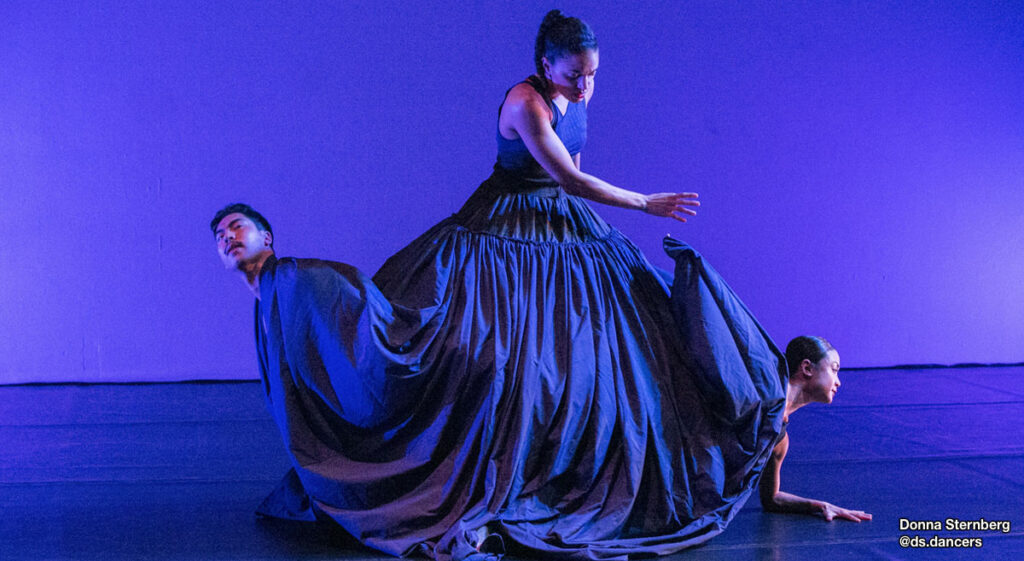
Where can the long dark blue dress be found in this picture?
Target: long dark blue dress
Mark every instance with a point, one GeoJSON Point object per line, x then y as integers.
{"type": "Point", "coordinates": [521, 368]}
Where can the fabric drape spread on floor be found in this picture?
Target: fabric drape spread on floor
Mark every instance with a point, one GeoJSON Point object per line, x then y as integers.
{"type": "Point", "coordinates": [522, 370]}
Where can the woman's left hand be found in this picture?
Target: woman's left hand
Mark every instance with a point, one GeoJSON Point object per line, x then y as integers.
{"type": "Point", "coordinates": [671, 205]}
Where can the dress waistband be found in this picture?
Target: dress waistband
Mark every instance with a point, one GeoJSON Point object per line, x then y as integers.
{"type": "Point", "coordinates": [507, 181]}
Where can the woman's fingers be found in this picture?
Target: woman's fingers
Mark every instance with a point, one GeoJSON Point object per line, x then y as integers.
{"type": "Point", "coordinates": [688, 199]}
{"type": "Point", "coordinates": [673, 205]}
{"type": "Point", "coordinates": [852, 515]}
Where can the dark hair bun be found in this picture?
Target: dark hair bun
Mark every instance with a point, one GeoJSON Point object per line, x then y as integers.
{"type": "Point", "coordinates": [551, 18]}
{"type": "Point", "coordinates": [559, 35]}
{"type": "Point", "coordinates": [806, 347]}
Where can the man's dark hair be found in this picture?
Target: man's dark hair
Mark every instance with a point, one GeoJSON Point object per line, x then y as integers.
{"type": "Point", "coordinates": [241, 208]}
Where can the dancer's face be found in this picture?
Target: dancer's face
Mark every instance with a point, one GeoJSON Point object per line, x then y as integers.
{"type": "Point", "coordinates": [572, 75]}
{"type": "Point", "coordinates": [240, 241]}
{"type": "Point", "coordinates": [825, 378]}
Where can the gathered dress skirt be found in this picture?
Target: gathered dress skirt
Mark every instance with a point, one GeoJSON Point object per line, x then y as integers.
{"type": "Point", "coordinates": [519, 370]}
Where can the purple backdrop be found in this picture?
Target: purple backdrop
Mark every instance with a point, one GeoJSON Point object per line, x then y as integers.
{"type": "Point", "coordinates": [861, 167]}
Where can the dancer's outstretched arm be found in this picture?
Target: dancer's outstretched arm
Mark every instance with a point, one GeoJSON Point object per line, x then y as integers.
{"type": "Point", "coordinates": [774, 500]}
{"type": "Point", "coordinates": [528, 115]}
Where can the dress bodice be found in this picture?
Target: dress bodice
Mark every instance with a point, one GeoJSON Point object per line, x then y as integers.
{"type": "Point", "coordinates": [571, 128]}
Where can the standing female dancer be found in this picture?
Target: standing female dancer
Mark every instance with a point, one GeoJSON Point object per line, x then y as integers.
{"type": "Point", "coordinates": [520, 370]}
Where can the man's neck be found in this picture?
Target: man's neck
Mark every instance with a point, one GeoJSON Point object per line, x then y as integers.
{"type": "Point", "coordinates": [251, 271]}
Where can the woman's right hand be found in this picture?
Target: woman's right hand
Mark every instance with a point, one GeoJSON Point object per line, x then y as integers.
{"type": "Point", "coordinates": [671, 205]}
{"type": "Point", "coordinates": [830, 512]}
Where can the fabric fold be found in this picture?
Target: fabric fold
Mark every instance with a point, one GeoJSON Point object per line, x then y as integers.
{"type": "Point", "coordinates": [521, 368]}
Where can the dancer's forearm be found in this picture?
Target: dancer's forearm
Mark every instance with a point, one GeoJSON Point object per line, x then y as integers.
{"type": "Point", "coordinates": [589, 187]}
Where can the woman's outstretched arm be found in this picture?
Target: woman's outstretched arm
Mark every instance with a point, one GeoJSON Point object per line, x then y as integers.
{"type": "Point", "coordinates": [774, 500]}
{"type": "Point", "coordinates": [526, 113]}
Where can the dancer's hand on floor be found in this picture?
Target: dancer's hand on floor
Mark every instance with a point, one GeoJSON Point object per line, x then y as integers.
{"type": "Point", "coordinates": [671, 205]}
{"type": "Point", "coordinates": [830, 512]}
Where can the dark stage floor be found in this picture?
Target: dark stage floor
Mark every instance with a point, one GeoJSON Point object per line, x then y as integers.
{"type": "Point", "coordinates": [174, 471]}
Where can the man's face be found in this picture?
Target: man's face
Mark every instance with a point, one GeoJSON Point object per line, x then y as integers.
{"type": "Point", "coordinates": [240, 241]}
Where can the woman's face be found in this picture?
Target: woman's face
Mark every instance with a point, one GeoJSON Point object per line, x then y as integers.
{"type": "Point", "coordinates": [824, 381]}
{"type": "Point", "coordinates": [572, 75]}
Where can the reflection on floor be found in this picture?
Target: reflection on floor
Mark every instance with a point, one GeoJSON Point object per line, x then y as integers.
{"type": "Point", "coordinates": [174, 471]}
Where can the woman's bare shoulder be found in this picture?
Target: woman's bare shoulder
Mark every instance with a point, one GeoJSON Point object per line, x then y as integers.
{"type": "Point", "coordinates": [524, 96]}
{"type": "Point", "coordinates": [523, 105]}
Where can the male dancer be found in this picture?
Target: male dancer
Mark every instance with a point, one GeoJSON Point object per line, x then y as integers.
{"type": "Point", "coordinates": [245, 241]}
